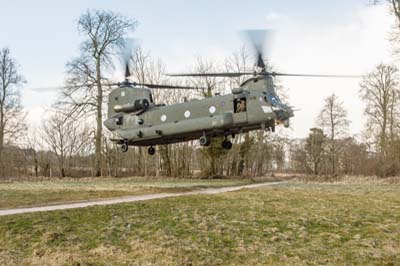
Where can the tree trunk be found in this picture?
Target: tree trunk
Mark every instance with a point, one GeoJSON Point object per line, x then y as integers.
{"type": "Point", "coordinates": [315, 169]}
{"type": "Point", "coordinates": [332, 120]}
{"type": "Point", "coordinates": [165, 160]}
{"type": "Point", "coordinates": [35, 160]}
{"type": "Point", "coordinates": [99, 129]}
{"type": "Point", "coordinates": [260, 157]}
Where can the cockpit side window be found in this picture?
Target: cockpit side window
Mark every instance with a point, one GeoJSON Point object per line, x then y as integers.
{"type": "Point", "coordinates": [240, 105]}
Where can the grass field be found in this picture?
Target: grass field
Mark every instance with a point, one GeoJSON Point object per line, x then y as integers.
{"type": "Point", "coordinates": [34, 193]}
{"type": "Point", "coordinates": [292, 224]}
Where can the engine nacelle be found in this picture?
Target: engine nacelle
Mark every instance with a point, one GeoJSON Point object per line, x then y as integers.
{"type": "Point", "coordinates": [137, 105]}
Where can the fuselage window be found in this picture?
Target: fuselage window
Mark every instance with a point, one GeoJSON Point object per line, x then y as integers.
{"type": "Point", "coordinates": [240, 105]}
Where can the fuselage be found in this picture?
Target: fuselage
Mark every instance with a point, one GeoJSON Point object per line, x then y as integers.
{"type": "Point", "coordinates": [214, 116]}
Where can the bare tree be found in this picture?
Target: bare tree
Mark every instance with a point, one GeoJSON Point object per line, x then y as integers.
{"type": "Point", "coordinates": [239, 61]}
{"type": "Point", "coordinates": [354, 158]}
{"type": "Point", "coordinates": [380, 92]}
{"type": "Point", "coordinates": [334, 123]}
{"type": "Point", "coordinates": [395, 4]}
{"type": "Point", "coordinates": [12, 118]}
{"type": "Point", "coordinates": [314, 149]}
{"type": "Point", "coordinates": [112, 156]}
{"type": "Point", "coordinates": [208, 85]}
{"type": "Point", "coordinates": [65, 138]}
{"type": "Point", "coordinates": [104, 32]}
{"type": "Point", "coordinates": [395, 11]}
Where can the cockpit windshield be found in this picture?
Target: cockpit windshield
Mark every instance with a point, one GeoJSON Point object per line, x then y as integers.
{"type": "Point", "coordinates": [274, 100]}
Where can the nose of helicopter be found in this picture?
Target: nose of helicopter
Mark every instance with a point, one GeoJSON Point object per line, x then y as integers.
{"type": "Point", "coordinates": [283, 115]}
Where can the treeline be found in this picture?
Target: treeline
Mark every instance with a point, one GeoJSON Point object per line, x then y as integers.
{"type": "Point", "coordinates": [71, 140]}
{"type": "Point", "coordinates": [248, 157]}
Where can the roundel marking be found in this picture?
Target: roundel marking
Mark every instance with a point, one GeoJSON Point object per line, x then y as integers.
{"type": "Point", "coordinates": [163, 118]}
{"type": "Point", "coordinates": [212, 109]}
{"type": "Point", "coordinates": [187, 114]}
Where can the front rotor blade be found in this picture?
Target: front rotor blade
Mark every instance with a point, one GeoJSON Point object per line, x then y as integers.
{"type": "Point", "coordinates": [226, 75]}
{"type": "Point", "coordinates": [308, 75]}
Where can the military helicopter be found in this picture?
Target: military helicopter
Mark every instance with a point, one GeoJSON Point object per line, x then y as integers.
{"type": "Point", "coordinates": [138, 121]}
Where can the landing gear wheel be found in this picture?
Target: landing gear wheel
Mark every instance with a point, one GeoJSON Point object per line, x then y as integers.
{"type": "Point", "coordinates": [151, 150]}
{"type": "Point", "coordinates": [226, 144]}
{"type": "Point", "coordinates": [124, 147]}
{"type": "Point", "coordinates": [204, 141]}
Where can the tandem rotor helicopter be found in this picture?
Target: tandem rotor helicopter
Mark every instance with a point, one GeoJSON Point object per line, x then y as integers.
{"type": "Point", "coordinates": [138, 121]}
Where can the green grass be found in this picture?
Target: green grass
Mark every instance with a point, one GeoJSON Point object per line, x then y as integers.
{"type": "Point", "coordinates": [36, 193]}
{"type": "Point", "coordinates": [292, 224]}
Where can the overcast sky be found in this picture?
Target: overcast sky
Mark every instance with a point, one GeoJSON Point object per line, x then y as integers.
{"type": "Point", "coordinates": [326, 37]}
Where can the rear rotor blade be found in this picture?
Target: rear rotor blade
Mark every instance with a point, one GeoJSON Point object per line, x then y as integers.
{"type": "Point", "coordinates": [226, 74]}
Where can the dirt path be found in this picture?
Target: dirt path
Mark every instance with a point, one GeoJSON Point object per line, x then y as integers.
{"type": "Point", "coordinates": [130, 199]}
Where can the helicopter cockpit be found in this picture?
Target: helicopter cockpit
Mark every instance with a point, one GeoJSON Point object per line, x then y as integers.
{"type": "Point", "coordinates": [274, 100]}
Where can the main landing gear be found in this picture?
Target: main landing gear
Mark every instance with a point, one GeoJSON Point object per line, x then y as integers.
{"type": "Point", "coordinates": [204, 141]}
{"type": "Point", "coordinates": [151, 150]}
{"type": "Point", "coordinates": [124, 146]}
{"type": "Point", "coordinates": [226, 144]}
